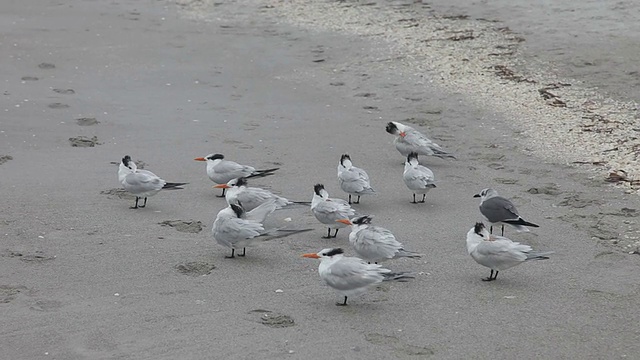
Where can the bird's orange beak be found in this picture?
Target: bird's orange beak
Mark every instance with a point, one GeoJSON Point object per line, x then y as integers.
{"type": "Point", "coordinates": [313, 256]}
{"type": "Point", "coordinates": [344, 221]}
{"type": "Point", "coordinates": [200, 159]}
{"type": "Point", "coordinates": [402, 133]}
{"type": "Point", "coordinates": [221, 186]}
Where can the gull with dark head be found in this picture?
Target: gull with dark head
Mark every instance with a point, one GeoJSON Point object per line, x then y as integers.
{"type": "Point", "coordinates": [498, 210]}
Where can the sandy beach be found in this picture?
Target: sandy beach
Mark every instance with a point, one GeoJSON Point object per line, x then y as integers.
{"type": "Point", "coordinates": [295, 84]}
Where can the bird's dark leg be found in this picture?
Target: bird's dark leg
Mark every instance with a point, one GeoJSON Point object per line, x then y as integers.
{"type": "Point", "coordinates": [349, 198]}
{"type": "Point", "coordinates": [335, 233]}
{"type": "Point", "coordinates": [342, 303]}
{"type": "Point", "coordinates": [414, 199]}
{"type": "Point", "coordinates": [233, 251]}
{"type": "Point", "coordinates": [223, 192]}
{"type": "Point", "coordinates": [358, 201]}
{"type": "Point", "coordinates": [328, 234]}
{"type": "Point", "coordinates": [145, 203]}
{"type": "Point", "coordinates": [136, 205]}
{"type": "Point", "coordinates": [244, 251]}
{"type": "Point", "coordinates": [502, 229]}
{"type": "Point", "coordinates": [491, 229]}
{"type": "Point", "coordinates": [423, 197]}
{"type": "Point", "coordinates": [491, 277]}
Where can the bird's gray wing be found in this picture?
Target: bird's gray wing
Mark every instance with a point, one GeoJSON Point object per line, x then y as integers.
{"type": "Point", "coordinates": [334, 210]}
{"type": "Point", "coordinates": [498, 209]}
{"type": "Point", "coordinates": [140, 182]}
{"type": "Point", "coordinates": [260, 213]}
{"type": "Point", "coordinates": [500, 252]}
{"type": "Point", "coordinates": [377, 240]}
{"type": "Point", "coordinates": [352, 273]}
{"type": "Point", "coordinates": [233, 230]}
{"type": "Point", "coordinates": [354, 180]}
{"type": "Point", "coordinates": [233, 169]}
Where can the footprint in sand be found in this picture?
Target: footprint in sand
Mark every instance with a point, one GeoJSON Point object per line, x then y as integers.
{"type": "Point", "coordinates": [547, 189]}
{"type": "Point", "coordinates": [418, 121]}
{"type": "Point", "coordinates": [398, 345]}
{"type": "Point", "coordinates": [117, 193]}
{"type": "Point", "coordinates": [8, 293]}
{"type": "Point", "coordinates": [58, 106]}
{"type": "Point", "coordinates": [250, 126]}
{"type": "Point", "coordinates": [239, 144]}
{"type": "Point", "coordinates": [38, 256]}
{"type": "Point", "coordinates": [46, 66]}
{"type": "Point", "coordinates": [88, 121]}
{"type": "Point", "coordinates": [195, 268]}
{"type": "Point", "coordinates": [5, 158]}
{"type": "Point", "coordinates": [505, 181]}
{"type": "Point", "coordinates": [29, 78]}
{"type": "Point", "coordinates": [189, 226]}
{"type": "Point", "coordinates": [65, 91]}
{"type": "Point", "coordinates": [83, 141]}
{"type": "Point", "coordinates": [45, 305]}
{"type": "Point", "coordinates": [274, 319]}
{"type": "Point", "coordinates": [578, 202]}
{"type": "Point", "coordinates": [595, 225]}
{"type": "Point", "coordinates": [365, 95]}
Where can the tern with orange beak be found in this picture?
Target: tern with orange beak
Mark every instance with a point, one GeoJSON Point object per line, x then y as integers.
{"type": "Point", "coordinates": [221, 171]}
{"type": "Point", "coordinates": [238, 229]}
{"type": "Point", "coordinates": [410, 140]}
{"type": "Point", "coordinates": [498, 253]}
{"type": "Point", "coordinates": [142, 183]}
{"type": "Point", "coordinates": [374, 243]}
{"type": "Point", "coordinates": [327, 210]}
{"type": "Point", "coordinates": [351, 276]}
{"type": "Point", "coordinates": [252, 197]}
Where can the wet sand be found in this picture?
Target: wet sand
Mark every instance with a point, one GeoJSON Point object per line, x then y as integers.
{"type": "Point", "coordinates": [82, 276]}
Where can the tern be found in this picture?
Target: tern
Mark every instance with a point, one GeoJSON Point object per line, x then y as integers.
{"type": "Point", "coordinates": [498, 210]}
{"type": "Point", "coordinates": [142, 183]}
{"type": "Point", "coordinates": [327, 210]}
{"type": "Point", "coordinates": [418, 178]}
{"type": "Point", "coordinates": [410, 140]}
{"type": "Point", "coordinates": [353, 180]}
{"type": "Point", "coordinates": [221, 171]}
{"type": "Point", "coordinates": [374, 243]}
{"type": "Point", "coordinates": [236, 228]}
{"type": "Point", "coordinates": [497, 252]}
{"type": "Point", "coordinates": [351, 276]}
{"type": "Point", "coordinates": [252, 197]}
